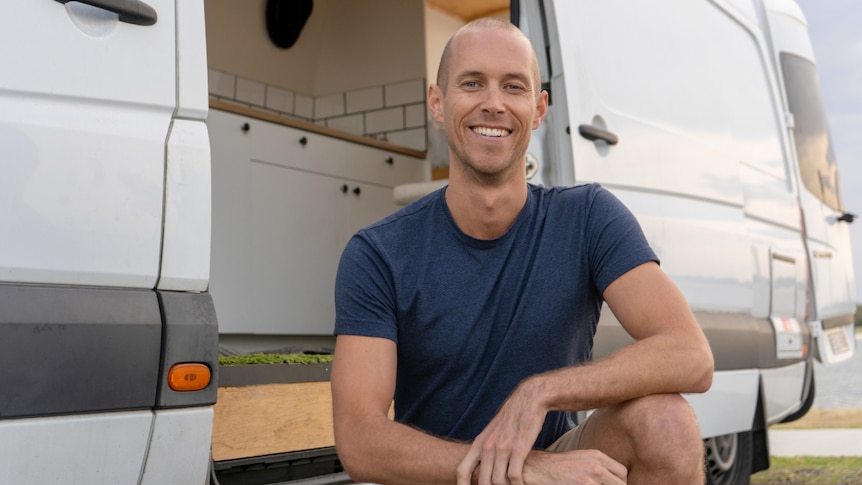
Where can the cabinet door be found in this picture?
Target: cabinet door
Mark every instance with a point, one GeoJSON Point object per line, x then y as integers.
{"type": "Point", "coordinates": [369, 204]}
{"type": "Point", "coordinates": [279, 230]}
{"type": "Point", "coordinates": [231, 272]}
{"type": "Point", "coordinates": [299, 228]}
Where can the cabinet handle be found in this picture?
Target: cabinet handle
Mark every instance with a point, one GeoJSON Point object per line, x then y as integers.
{"type": "Point", "coordinates": [344, 189]}
{"type": "Point", "coordinates": [390, 161]}
{"type": "Point", "coordinates": [357, 190]}
{"type": "Point", "coordinates": [303, 141]}
{"type": "Point", "coordinates": [245, 127]}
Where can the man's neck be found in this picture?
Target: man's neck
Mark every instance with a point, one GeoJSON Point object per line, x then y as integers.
{"type": "Point", "coordinates": [485, 211]}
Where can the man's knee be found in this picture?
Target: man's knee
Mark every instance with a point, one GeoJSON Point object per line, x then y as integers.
{"type": "Point", "coordinates": [664, 429]}
{"type": "Point", "coordinates": [661, 416]}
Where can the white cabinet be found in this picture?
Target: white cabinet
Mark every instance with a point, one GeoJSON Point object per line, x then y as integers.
{"type": "Point", "coordinates": [285, 202]}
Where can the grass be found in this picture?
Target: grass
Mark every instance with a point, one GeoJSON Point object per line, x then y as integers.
{"type": "Point", "coordinates": [816, 470]}
{"type": "Point", "coordinates": [811, 470]}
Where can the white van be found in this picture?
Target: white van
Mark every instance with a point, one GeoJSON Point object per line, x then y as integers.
{"type": "Point", "coordinates": [108, 340]}
{"type": "Point", "coordinates": [703, 116]}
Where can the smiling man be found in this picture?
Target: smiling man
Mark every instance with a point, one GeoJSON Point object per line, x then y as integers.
{"type": "Point", "coordinates": [475, 308]}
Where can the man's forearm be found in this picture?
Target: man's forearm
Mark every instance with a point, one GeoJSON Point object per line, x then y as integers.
{"type": "Point", "coordinates": [383, 451]}
{"type": "Point", "coordinates": [655, 365]}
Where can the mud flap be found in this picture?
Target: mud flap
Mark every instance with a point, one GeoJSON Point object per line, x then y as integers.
{"type": "Point", "coordinates": [760, 436]}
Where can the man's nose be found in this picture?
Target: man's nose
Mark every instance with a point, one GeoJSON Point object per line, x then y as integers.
{"type": "Point", "coordinates": [493, 102]}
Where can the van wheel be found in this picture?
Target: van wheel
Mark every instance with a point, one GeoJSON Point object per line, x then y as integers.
{"type": "Point", "coordinates": [728, 459]}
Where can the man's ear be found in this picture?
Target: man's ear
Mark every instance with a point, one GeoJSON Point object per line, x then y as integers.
{"type": "Point", "coordinates": [541, 109]}
{"type": "Point", "coordinates": [435, 102]}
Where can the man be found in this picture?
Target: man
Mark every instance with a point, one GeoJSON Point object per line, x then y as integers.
{"type": "Point", "coordinates": [475, 308]}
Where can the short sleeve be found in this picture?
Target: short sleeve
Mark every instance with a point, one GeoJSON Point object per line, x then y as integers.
{"type": "Point", "coordinates": [616, 241]}
{"type": "Point", "coordinates": [364, 292]}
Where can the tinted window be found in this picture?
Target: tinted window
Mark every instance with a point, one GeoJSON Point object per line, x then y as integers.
{"type": "Point", "coordinates": [811, 130]}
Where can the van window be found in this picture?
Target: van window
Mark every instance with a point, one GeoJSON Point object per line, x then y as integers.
{"type": "Point", "coordinates": [811, 130]}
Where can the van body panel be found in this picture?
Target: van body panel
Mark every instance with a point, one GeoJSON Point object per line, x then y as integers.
{"type": "Point", "coordinates": [735, 390]}
{"type": "Point", "coordinates": [185, 264]}
{"type": "Point", "coordinates": [702, 158]}
{"type": "Point", "coordinates": [96, 161]}
{"type": "Point", "coordinates": [75, 450]}
{"type": "Point", "coordinates": [738, 341]}
{"type": "Point", "coordinates": [192, 427]}
{"type": "Point", "coordinates": [190, 335]}
{"type": "Point", "coordinates": [782, 390]}
{"type": "Point", "coordinates": [67, 350]}
{"type": "Point", "coordinates": [84, 157]}
{"type": "Point", "coordinates": [192, 85]}
{"type": "Point", "coordinates": [697, 174]}
{"type": "Point", "coordinates": [827, 237]}
{"type": "Point", "coordinates": [188, 198]}
{"type": "Point", "coordinates": [88, 210]}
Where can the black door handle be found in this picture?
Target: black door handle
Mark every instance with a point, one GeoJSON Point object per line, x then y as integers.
{"type": "Point", "coordinates": [130, 11]}
{"type": "Point", "coordinates": [847, 217]}
{"type": "Point", "coordinates": [594, 133]}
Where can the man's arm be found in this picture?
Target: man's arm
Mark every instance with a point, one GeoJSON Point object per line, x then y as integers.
{"type": "Point", "coordinates": [670, 355]}
{"type": "Point", "coordinates": [375, 449]}
{"type": "Point", "coordinates": [372, 447]}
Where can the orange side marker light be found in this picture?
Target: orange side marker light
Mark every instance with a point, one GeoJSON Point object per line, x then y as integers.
{"type": "Point", "coordinates": [189, 377]}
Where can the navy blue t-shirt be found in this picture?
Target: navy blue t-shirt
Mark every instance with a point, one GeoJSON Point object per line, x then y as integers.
{"type": "Point", "coordinates": [472, 318]}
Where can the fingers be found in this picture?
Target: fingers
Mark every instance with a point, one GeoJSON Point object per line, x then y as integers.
{"type": "Point", "coordinates": [498, 474]}
{"type": "Point", "coordinates": [468, 466]}
{"type": "Point", "coordinates": [581, 466]}
{"type": "Point", "coordinates": [609, 470]}
{"type": "Point", "coordinates": [500, 450]}
{"type": "Point", "coordinates": [493, 463]}
{"type": "Point", "coordinates": [515, 470]}
{"type": "Point", "coordinates": [617, 469]}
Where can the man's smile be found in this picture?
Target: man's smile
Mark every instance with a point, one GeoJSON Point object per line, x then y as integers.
{"type": "Point", "coordinates": [492, 132]}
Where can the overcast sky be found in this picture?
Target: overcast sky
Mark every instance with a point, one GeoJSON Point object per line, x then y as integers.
{"type": "Point", "coordinates": [835, 27]}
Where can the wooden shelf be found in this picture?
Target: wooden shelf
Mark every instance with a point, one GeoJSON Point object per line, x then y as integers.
{"type": "Point", "coordinates": [244, 110]}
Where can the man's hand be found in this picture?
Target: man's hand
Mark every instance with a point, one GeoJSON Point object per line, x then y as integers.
{"type": "Point", "coordinates": [500, 450]}
{"type": "Point", "coordinates": [581, 467]}
{"type": "Point", "coordinates": [503, 454]}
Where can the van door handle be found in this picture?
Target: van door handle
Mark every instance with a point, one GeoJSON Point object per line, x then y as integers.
{"type": "Point", "coordinates": [594, 133]}
{"type": "Point", "coordinates": [130, 11]}
{"type": "Point", "coordinates": [847, 217]}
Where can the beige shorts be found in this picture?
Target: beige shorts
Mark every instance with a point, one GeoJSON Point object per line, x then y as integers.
{"type": "Point", "coordinates": [570, 439]}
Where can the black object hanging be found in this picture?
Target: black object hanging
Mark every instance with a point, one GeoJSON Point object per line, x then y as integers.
{"type": "Point", "coordinates": [285, 20]}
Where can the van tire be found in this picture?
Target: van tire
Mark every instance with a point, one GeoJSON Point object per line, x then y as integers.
{"type": "Point", "coordinates": [728, 459]}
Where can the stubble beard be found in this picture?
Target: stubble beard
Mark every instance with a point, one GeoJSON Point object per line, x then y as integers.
{"type": "Point", "coordinates": [495, 175]}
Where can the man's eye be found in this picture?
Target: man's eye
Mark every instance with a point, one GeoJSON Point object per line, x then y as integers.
{"type": "Point", "coordinates": [470, 84]}
{"type": "Point", "coordinates": [514, 87]}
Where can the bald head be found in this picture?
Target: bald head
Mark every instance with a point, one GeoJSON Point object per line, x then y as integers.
{"type": "Point", "coordinates": [479, 25]}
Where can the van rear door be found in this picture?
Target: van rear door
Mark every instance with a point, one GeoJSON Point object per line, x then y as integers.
{"type": "Point", "coordinates": [87, 99]}
{"type": "Point", "coordinates": [831, 299]}
{"type": "Point", "coordinates": [87, 96]}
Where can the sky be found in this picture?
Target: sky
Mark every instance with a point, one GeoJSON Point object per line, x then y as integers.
{"type": "Point", "coordinates": [836, 35]}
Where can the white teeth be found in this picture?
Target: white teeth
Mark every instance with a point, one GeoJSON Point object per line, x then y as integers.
{"type": "Point", "coordinates": [496, 132]}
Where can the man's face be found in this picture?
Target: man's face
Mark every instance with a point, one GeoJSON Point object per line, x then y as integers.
{"type": "Point", "coordinates": [491, 102]}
